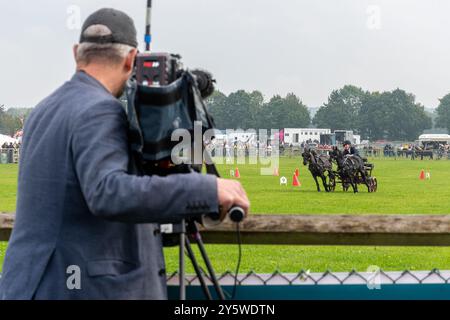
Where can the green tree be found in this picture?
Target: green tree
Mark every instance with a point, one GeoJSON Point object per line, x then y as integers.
{"type": "Point", "coordinates": [373, 115]}
{"type": "Point", "coordinates": [216, 105]}
{"type": "Point", "coordinates": [243, 109]}
{"type": "Point", "coordinates": [21, 113]}
{"type": "Point", "coordinates": [288, 112]}
{"type": "Point", "coordinates": [9, 124]}
{"type": "Point", "coordinates": [443, 113]}
{"type": "Point", "coordinates": [237, 111]}
{"type": "Point", "coordinates": [342, 109]}
{"type": "Point", "coordinates": [2, 119]}
{"type": "Point", "coordinates": [392, 115]}
{"type": "Point", "coordinates": [409, 117]}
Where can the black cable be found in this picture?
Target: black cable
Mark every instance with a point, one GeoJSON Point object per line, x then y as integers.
{"type": "Point", "coordinates": [238, 232]}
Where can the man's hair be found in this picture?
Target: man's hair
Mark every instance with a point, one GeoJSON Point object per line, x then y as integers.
{"type": "Point", "coordinates": [89, 52]}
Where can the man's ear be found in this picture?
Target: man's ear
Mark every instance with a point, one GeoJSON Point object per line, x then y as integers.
{"type": "Point", "coordinates": [129, 61]}
{"type": "Point", "coordinates": [75, 50]}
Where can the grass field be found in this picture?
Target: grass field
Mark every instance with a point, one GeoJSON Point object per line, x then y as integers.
{"type": "Point", "coordinates": [400, 192]}
{"type": "Point", "coordinates": [8, 187]}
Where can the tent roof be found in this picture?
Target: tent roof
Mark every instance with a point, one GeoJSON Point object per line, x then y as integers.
{"type": "Point", "coordinates": [434, 137]}
{"type": "Point", "coordinates": [5, 138]}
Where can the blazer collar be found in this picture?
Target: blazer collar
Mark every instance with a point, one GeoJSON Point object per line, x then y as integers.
{"type": "Point", "coordinates": [89, 80]}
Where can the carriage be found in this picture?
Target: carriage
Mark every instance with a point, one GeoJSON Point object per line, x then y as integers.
{"type": "Point", "coordinates": [372, 181]}
{"type": "Point", "coordinates": [351, 170]}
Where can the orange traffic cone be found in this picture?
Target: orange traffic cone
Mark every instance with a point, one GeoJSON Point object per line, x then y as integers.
{"type": "Point", "coordinates": [296, 182]}
{"type": "Point", "coordinates": [237, 174]}
{"type": "Point", "coordinates": [276, 172]}
{"type": "Point", "coordinates": [422, 175]}
{"type": "Point", "coordinates": [297, 172]}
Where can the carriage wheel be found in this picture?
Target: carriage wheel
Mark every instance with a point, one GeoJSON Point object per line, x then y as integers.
{"type": "Point", "coordinates": [372, 184]}
{"type": "Point", "coordinates": [331, 183]}
{"type": "Point", "coordinates": [375, 184]}
{"type": "Point", "coordinates": [369, 184]}
{"type": "Point", "coordinates": [345, 186]}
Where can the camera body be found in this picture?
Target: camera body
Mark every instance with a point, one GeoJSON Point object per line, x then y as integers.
{"type": "Point", "coordinates": [161, 98]}
{"type": "Point", "coordinates": [157, 69]}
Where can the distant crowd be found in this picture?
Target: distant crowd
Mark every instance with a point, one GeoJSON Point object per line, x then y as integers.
{"type": "Point", "coordinates": [11, 145]}
{"type": "Point", "coordinates": [9, 152]}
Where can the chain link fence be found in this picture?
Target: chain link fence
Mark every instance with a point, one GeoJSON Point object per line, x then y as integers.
{"type": "Point", "coordinates": [303, 277]}
{"type": "Point", "coordinates": [374, 284]}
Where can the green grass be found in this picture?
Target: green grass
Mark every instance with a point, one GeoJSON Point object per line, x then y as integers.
{"type": "Point", "coordinates": [8, 187]}
{"type": "Point", "coordinates": [400, 192]}
{"type": "Point", "coordinates": [267, 259]}
{"type": "Point", "coordinates": [3, 246]}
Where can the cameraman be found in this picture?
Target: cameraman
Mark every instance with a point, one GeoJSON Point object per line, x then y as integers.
{"type": "Point", "coordinates": [85, 228]}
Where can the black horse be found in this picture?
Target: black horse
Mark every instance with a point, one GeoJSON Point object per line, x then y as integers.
{"type": "Point", "coordinates": [350, 169]}
{"type": "Point", "coordinates": [424, 152]}
{"type": "Point", "coordinates": [319, 166]}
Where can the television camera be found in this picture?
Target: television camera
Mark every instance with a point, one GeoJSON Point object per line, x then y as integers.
{"type": "Point", "coordinates": [162, 97]}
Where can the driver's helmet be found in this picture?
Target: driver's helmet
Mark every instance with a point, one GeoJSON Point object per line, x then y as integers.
{"type": "Point", "coordinates": [346, 142]}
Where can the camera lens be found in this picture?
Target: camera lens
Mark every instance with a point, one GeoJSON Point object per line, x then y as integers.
{"type": "Point", "coordinates": [236, 214]}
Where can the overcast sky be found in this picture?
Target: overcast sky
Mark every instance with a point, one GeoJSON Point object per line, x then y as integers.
{"type": "Point", "coordinates": [308, 47]}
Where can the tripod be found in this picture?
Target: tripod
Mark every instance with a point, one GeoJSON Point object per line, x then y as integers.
{"type": "Point", "coordinates": [190, 228]}
{"type": "Point", "coordinates": [183, 230]}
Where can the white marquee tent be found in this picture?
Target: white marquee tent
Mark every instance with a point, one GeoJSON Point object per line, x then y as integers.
{"type": "Point", "coordinates": [7, 139]}
{"type": "Point", "coordinates": [434, 138]}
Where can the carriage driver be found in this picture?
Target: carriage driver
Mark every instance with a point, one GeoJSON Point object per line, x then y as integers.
{"type": "Point", "coordinates": [349, 149]}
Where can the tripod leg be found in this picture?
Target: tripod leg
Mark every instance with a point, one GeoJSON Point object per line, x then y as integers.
{"type": "Point", "coordinates": [214, 280]}
{"type": "Point", "coordinates": [197, 269]}
{"type": "Point", "coordinates": [181, 266]}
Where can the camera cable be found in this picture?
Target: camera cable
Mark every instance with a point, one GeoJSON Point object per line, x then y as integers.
{"type": "Point", "coordinates": [236, 274]}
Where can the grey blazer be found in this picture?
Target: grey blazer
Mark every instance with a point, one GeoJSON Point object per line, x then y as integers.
{"type": "Point", "coordinates": [85, 228]}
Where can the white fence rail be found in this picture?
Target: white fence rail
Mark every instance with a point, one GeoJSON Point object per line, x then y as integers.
{"type": "Point", "coordinates": [9, 155]}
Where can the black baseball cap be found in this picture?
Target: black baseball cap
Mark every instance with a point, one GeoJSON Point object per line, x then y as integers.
{"type": "Point", "coordinates": [119, 23]}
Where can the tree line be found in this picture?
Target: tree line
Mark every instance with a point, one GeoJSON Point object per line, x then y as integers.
{"type": "Point", "coordinates": [443, 113]}
{"type": "Point", "coordinates": [247, 110]}
{"type": "Point", "coordinates": [392, 115]}
{"type": "Point", "coordinates": [11, 119]}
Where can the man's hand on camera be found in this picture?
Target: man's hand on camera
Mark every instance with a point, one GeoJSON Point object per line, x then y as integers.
{"type": "Point", "coordinates": [231, 193]}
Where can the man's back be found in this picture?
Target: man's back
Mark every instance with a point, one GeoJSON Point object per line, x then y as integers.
{"type": "Point", "coordinates": [55, 228]}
